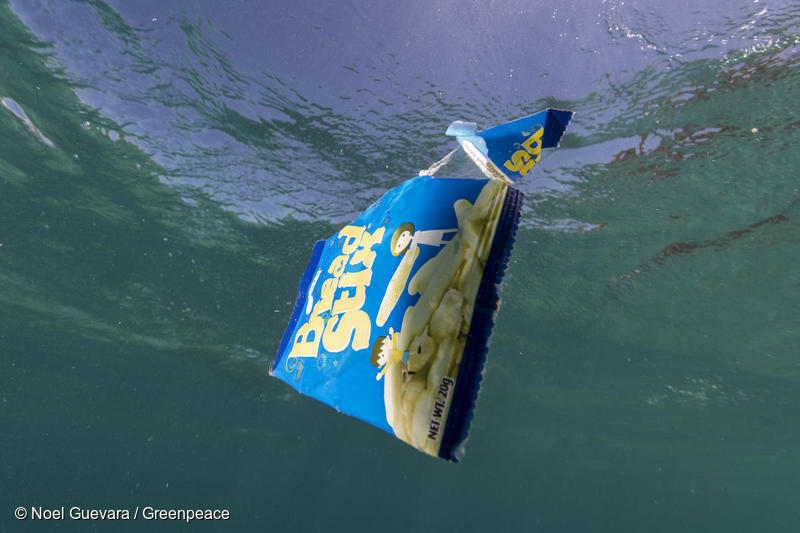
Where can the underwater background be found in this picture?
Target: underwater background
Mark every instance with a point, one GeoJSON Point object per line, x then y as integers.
{"type": "Point", "coordinates": [165, 168]}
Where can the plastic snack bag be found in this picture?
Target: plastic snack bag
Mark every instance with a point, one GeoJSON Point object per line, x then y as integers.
{"type": "Point", "coordinates": [394, 312]}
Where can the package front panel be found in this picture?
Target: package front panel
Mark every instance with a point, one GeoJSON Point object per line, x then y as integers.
{"type": "Point", "coordinates": [380, 329]}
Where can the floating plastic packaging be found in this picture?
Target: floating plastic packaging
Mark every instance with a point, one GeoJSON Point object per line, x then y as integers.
{"type": "Point", "coordinates": [394, 312]}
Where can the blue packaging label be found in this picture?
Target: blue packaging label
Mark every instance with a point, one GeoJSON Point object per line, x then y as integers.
{"type": "Point", "coordinates": [385, 317]}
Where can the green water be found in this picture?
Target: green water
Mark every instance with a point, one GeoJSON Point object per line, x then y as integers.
{"type": "Point", "coordinates": [644, 373]}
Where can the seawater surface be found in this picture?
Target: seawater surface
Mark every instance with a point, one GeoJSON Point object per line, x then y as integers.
{"type": "Point", "coordinates": [166, 166]}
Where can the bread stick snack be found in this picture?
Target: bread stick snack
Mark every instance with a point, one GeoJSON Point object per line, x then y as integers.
{"type": "Point", "coordinates": [394, 312]}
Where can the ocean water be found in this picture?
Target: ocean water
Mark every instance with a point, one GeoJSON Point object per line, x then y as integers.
{"type": "Point", "coordinates": [165, 167]}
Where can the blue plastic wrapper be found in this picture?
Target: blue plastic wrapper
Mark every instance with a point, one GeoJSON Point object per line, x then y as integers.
{"type": "Point", "coordinates": [394, 312]}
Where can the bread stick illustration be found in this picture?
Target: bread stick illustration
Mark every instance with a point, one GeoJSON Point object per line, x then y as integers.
{"type": "Point", "coordinates": [396, 285]}
{"type": "Point", "coordinates": [432, 336]}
